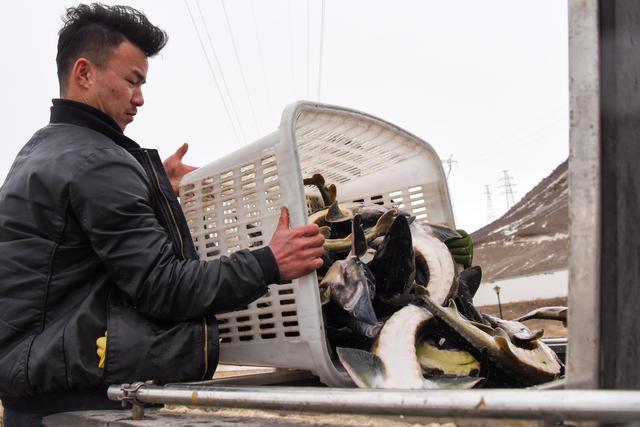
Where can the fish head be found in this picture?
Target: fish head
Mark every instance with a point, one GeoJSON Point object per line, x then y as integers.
{"type": "Point", "coordinates": [384, 222]}
{"type": "Point", "coordinates": [526, 336]}
{"type": "Point", "coordinates": [355, 296]}
{"type": "Point", "coordinates": [517, 332]}
{"type": "Point", "coordinates": [370, 213]}
{"type": "Point", "coordinates": [337, 214]}
{"type": "Point", "coordinates": [333, 279]}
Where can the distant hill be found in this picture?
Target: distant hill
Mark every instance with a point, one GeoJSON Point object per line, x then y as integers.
{"type": "Point", "coordinates": [532, 237]}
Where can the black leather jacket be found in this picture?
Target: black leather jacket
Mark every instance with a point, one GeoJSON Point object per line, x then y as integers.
{"type": "Point", "coordinates": [92, 238]}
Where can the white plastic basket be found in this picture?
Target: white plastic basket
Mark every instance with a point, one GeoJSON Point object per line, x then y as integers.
{"type": "Point", "coordinates": [234, 203]}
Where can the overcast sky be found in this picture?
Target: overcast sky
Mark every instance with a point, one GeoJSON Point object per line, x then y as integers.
{"type": "Point", "coordinates": [484, 81]}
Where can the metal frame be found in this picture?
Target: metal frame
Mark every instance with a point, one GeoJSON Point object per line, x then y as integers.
{"type": "Point", "coordinates": [548, 405]}
{"type": "Point", "coordinates": [584, 196]}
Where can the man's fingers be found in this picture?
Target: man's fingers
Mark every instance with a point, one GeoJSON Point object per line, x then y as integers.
{"type": "Point", "coordinates": [314, 242]}
{"type": "Point", "coordinates": [318, 252]}
{"type": "Point", "coordinates": [283, 222]}
{"type": "Point", "coordinates": [180, 152]}
{"type": "Point", "coordinates": [311, 252]}
{"type": "Point", "coordinates": [317, 263]}
{"type": "Point", "coordinates": [307, 230]}
{"type": "Point", "coordinates": [312, 264]}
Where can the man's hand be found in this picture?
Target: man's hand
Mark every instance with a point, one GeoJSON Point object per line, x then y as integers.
{"type": "Point", "coordinates": [175, 169]}
{"type": "Point", "coordinates": [461, 249]}
{"type": "Point", "coordinates": [297, 251]}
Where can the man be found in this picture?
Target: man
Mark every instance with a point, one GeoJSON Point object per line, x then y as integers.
{"type": "Point", "coordinates": [92, 239]}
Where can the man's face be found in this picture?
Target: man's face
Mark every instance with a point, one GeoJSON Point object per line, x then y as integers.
{"type": "Point", "coordinates": [117, 88]}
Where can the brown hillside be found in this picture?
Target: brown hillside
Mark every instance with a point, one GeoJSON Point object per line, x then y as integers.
{"type": "Point", "coordinates": [532, 237]}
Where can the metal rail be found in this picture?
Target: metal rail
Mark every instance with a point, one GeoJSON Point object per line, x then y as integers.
{"type": "Point", "coordinates": [548, 405]}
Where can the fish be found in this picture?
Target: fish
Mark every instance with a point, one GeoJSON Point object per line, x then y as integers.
{"type": "Point", "coordinates": [332, 192]}
{"type": "Point", "coordinates": [518, 333]}
{"type": "Point", "coordinates": [446, 361]}
{"type": "Point", "coordinates": [547, 313]}
{"type": "Point", "coordinates": [359, 327]}
{"type": "Point", "coordinates": [393, 362]}
{"type": "Point", "coordinates": [435, 268]}
{"type": "Point", "coordinates": [318, 181]}
{"type": "Point", "coordinates": [337, 213]}
{"type": "Point", "coordinates": [393, 264]}
{"type": "Point", "coordinates": [381, 228]}
{"type": "Point", "coordinates": [440, 231]}
{"type": "Point", "coordinates": [535, 364]}
{"type": "Point", "coordinates": [325, 230]}
{"type": "Point", "coordinates": [350, 284]}
{"type": "Point", "coordinates": [468, 283]}
{"type": "Point", "coordinates": [471, 277]}
{"type": "Point", "coordinates": [369, 212]}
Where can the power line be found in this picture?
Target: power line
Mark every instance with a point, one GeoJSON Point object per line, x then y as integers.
{"type": "Point", "coordinates": [244, 81]}
{"type": "Point", "coordinates": [541, 132]}
{"type": "Point", "coordinates": [321, 50]}
{"type": "Point", "coordinates": [533, 122]}
{"type": "Point", "coordinates": [508, 187]}
{"type": "Point", "coordinates": [234, 110]}
{"type": "Point", "coordinates": [449, 162]}
{"type": "Point", "coordinates": [292, 56]}
{"type": "Point", "coordinates": [308, 38]}
{"type": "Point", "coordinates": [491, 214]}
{"type": "Point", "coordinates": [261, 56]}
{"type": "Point", "coordinates": [215, 80]}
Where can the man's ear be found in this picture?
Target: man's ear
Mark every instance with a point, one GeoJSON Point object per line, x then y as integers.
{"type": "Point", "coordinates": [82, 73]}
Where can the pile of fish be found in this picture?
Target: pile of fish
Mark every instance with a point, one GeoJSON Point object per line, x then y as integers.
{"type": "Point", "coordinates": [398, 310]}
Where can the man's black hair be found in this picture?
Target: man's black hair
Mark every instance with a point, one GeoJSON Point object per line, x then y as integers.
{"type": "Point", "coordinates": [93, 31]}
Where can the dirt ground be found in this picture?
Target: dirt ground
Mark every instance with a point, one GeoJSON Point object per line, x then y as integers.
{"type": "Point", "coordinates": [552, 328]}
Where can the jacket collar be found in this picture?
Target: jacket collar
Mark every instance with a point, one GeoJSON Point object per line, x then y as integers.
{"type": "Point", "coordinates": [77, 113]}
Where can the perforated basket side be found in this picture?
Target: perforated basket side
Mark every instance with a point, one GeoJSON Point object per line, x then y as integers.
{"type": "Point", "coordinates": [370, 160]}
{"type": "Point", "coordinates": [234, 203]}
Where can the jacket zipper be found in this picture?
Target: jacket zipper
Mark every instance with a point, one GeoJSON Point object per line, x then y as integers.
{"type": "Point", "coordinates": [168, 205]}
{"type": "Point", "coordinates": [177, 229]}
{"type": "Point", "coordinates": [206, 348]}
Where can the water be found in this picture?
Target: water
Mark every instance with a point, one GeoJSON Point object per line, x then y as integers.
{"type": "Point", "coordinates": [525, 288]}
